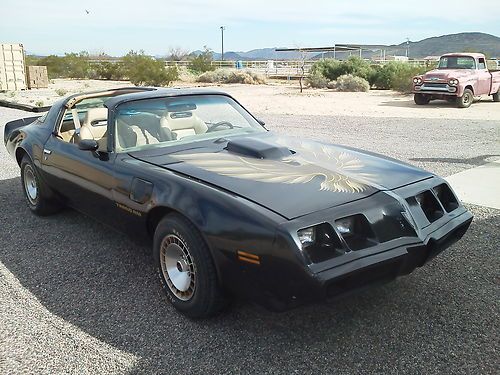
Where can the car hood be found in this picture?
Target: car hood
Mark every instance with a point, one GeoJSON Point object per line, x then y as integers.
{"type": "Point", "coordinates": [292, 177]}
{"type": "Point", "coordinates": [446, 74]}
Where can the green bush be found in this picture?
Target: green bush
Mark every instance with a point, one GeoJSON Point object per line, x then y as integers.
{"type": "Point", "coordinates": [317, 80]}
{"type": "Point", "coordinates": [71, 65]}
{"type": "Point", "coordinates": [333, 69]}
{"type": "Point", "coordinates": [203, 62]}
{"type": "Point", "coordinates": [144, 70]}
{"type": "Point", "coordinates": [61, 92]}
{"type": "Point", "coordinates": [396, 75]}
{"type": "Point", "coordinates": [350, 83]}
{"type": "Point", "coordinates": [232, 76]}
{"type": "Point", "coordinates": [108, 70]}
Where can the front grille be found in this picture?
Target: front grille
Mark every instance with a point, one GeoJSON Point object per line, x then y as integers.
{"type": "Point", "coordinates": [435, 203]}
{"type": "Point", "coordinates": [431, 85]}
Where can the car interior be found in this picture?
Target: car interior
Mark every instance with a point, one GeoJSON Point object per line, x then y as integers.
{"type": "Point", "coordinates": [87, 118]}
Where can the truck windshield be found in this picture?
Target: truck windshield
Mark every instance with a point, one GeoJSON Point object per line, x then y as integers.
{"type": "Point", "coordinates": [169, 121]}
{"type": "Point", "coordinates": [457, 62]}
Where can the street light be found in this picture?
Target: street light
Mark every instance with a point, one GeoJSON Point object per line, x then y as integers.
{"type": "Point", "coordinates": [222, 28]}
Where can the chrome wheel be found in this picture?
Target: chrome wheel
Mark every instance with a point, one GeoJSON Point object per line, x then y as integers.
{"type": "Point", "coordinates": [177, 267]}
{"type": "Point", "coordinates": [467, 99]}
{"type": "Point", "coordinates": [30, 185]}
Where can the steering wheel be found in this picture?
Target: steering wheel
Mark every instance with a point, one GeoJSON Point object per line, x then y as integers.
{"type": "Point", "coordinates": [212, 127]}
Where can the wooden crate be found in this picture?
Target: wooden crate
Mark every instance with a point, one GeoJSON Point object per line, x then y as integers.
{"type": "Point", "coordinates": [37, 77]}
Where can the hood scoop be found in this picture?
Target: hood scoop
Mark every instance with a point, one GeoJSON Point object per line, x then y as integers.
{"type": "Point", "coordinates": [257, 148]}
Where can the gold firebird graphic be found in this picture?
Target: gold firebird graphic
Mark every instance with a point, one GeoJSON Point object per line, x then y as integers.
{"type": "Point", "coordinates": [300, 168]}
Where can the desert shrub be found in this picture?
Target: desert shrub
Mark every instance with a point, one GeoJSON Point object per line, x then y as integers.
{"type": "Point", "coordinates": [39, 103]}
{"type": "Point", "coordinates": [186, 75]}
{"type": "Point", "coordinates": [71, 65]}
{"type": "Point", "coordinates": [108, 70]}
{"type": "Point", "coordinates": [203, 62]}
{"type": "Point", "coordinates": [61, 92]}
{"type": "Point", "coordinates": [396, 75]}
{"type": "Point", "coordinates": [232, 76]}
{"type": "Point", "coordinates": [350, 83]}
{"type": "Point", "coordinates": [333, 69]}
{"type": "Point", "coordinates": [317, 80]}
{"type": "Point", "coordinates": [144, 70]}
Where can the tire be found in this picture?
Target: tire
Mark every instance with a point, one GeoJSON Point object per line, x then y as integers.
{"type": "Point", "coordinates": [496, 97]}
{"type": "Point", "coordinates": [466, 99]}
{"type": "Point", "coordinates": [421, 99]}
{"type": "Point", "coordinates": [186, 269]}
{"type": "Point", "coordinates": [38, 194]}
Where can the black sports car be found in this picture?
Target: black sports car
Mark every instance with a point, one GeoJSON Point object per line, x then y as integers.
{"type": "Point", "coordinates": [231, 208]}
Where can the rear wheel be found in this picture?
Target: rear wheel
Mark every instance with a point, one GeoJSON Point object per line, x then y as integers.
{"type": "Point", "coordinates": [37, 193]}
{"type": "Point", "coordinates": [466, 99]}
{"type": "Point", "coordinates": [496, 97]}
{"type": "Point", "coordinates": [421, 99]}
{"type": "Point", "coordinates": [186, 269]}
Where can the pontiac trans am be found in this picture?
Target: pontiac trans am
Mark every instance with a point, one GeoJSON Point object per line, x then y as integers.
{"type": "Point", "coordinates": [230, 208]}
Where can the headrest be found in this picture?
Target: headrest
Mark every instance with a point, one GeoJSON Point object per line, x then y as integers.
{"type": "Point", "coordinates": [95, 114]}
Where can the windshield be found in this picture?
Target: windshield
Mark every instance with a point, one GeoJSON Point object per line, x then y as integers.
{"type": "Point", "coordinates": [170, 121]}
{"type": "Point", "coordinates": [457, 62]}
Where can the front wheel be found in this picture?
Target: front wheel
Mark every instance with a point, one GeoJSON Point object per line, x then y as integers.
{"type": "Point", "coordinates": [466, 99]}
{"type": "Point", "coordinates": [37, 193]}
{"type": "Point", "coordinates": [421, 99]}
{"type": "Point", "coordinates": [496, 97]}
{"type": "Point", "coordinates": [186, 269]}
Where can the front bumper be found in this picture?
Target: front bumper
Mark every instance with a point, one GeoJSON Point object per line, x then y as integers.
{"type": "Point", "coordinates": [283, 281]}
{"type": "Point", "coordinates": [395, 262]}
{"type": "Point", "coordinates": [439, 88]}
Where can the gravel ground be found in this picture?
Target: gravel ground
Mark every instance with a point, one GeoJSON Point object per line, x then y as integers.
{"type": "Point", "coordinates": [78, 298]}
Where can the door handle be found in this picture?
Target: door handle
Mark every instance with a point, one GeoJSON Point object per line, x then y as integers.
{"type": "Point", "coordinates": [47, 151]}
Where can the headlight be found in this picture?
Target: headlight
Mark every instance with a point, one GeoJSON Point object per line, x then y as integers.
{"type": "Point", "coordinates": [320, 243]}
{"type": "Point", "coordinates": [356, 232]}
{"type": "Point", "coordinates": [345, 225]}
{"type": "Point", "coordinates": [307, 236]}
{"type": "Point", "coordinates": [453, 82]}
{"type": "Point", "coordinates": [417, 80]}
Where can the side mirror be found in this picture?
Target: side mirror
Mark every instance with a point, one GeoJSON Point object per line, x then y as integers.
{"type": "Point", "coordinates": [88, 145]}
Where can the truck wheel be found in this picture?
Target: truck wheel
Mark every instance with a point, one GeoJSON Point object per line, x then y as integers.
{"type": "Point", "coordinates": [186, 269]}
{"type": "Point", "coordinates": [496, 97]}
{"type": "Point", "coordinates": [37, 193]}
{"type": "Point", "coordinates": [466, 99]}
{"type": "Point", "coordinates": [421, 99]}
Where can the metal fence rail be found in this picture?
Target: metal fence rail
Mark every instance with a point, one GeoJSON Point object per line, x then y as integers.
{"type": "Point", "coordinates": [275, 68]}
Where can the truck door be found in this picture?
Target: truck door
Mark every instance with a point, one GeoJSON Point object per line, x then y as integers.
{"type": "Point", "coordinates": [483, 86]}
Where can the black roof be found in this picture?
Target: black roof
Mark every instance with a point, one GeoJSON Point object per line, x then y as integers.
{"type": "Point", "coordinates": [152, 93]}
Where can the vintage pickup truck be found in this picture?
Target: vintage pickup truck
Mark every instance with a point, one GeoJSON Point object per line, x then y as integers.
{"type": "Point", "coordinates": [459, 77]}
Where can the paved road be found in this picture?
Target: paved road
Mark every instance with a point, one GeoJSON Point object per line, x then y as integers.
{"type": "Point", "coordinates": [78, 297]}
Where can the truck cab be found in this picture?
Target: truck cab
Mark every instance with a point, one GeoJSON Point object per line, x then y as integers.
{"type": "Point", "coordinates": [459, 77]}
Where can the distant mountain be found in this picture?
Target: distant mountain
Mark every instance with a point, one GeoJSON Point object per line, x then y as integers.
{"type": "Point", "coordinates": [463, 42]}
{"type": "Point", "coordinates": [435, 46]}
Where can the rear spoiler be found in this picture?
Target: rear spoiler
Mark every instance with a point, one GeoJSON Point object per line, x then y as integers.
{"type": "Point", "coordinates": [13, 125]}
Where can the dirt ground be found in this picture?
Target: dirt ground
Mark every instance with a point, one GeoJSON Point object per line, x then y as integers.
{"type": "Point", "coordinates": [282, 98]}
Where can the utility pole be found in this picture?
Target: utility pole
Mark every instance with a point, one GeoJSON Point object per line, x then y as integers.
{"type": "Point", "coordinates": [408, 47]}
{"type": "Point", "coordinates": [222, 28]}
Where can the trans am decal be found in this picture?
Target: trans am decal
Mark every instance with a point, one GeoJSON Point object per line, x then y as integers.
{"type": "Point", "coordinates": [295, 169]}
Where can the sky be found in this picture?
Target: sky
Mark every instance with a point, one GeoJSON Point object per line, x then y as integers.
{"type": "Point", "coordinates": [116, 27]}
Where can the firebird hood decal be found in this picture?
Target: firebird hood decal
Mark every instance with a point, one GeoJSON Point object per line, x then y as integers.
{"type": "Point", "coordinates": [290, 170]}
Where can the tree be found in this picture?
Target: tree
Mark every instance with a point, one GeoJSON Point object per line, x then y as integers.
{"type": "Point", "coordinates": [177, 54]}
{"type": "Point", "coordinates": [143, 70]}
{"type": "Point", "coordinates": [203, 62]}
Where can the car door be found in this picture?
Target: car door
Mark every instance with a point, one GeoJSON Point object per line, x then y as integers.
{"type": "Point", "coordinates": [483, 78]}
{"type": "Point", "coordinates": [84, 179]}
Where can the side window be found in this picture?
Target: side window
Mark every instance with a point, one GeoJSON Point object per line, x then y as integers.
{"type": "Point", "coordinates": [481, 64]}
